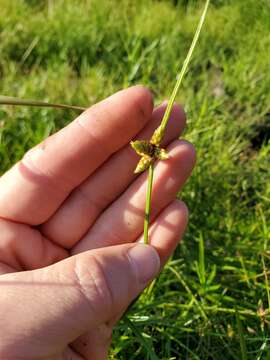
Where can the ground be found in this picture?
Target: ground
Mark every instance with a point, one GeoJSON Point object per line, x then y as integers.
{"type": "Point", "coordinates": [212, 300]}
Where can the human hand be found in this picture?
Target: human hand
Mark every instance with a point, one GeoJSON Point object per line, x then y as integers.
{"type": "Point", "coordinates": [71, 214]}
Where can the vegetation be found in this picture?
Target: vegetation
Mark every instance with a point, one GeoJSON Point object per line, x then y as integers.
{"type": "Point", "coordinates": [212, 300]}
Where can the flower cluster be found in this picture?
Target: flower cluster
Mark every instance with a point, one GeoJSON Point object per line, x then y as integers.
{"type": "Point", "coordinates": [149, 150]}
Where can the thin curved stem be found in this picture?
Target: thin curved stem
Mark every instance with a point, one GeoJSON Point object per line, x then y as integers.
{"type": "Point", "coordinates": [8, 100]}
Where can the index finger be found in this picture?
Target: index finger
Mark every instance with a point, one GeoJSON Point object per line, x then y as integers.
{"type": "Point", "coordinates": [35, 187]}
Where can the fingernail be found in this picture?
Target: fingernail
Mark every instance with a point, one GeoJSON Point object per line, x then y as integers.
{"type": "Point", "coordinates": [145, 262]}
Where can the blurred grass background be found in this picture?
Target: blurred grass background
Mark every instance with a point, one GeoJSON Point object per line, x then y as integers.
{"type": "Point", "coordinates": [212, 300]}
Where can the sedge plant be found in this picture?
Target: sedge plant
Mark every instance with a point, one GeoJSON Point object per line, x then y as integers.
{"type": "Point", "coordinates": [151, 150]}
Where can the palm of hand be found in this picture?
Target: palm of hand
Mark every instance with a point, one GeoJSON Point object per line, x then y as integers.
{"type": "Point", "coordinates": [74, 193]}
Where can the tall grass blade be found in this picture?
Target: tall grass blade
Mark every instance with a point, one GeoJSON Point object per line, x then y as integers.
{"type": "Point", "coordinates": [266, 281]}
{"type": "Point", "coordinates": [201, 260]}
{"type": "Point", "coordinates": [141, 339]}
{"type": "Point", "coordinates": [243, 347]}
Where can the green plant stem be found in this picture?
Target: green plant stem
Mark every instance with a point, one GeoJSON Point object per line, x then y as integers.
{"type": "Point", "coordinates": [168, 111]}
{"type": "Point", "coordinates": [166, 117]}
{"type": "Point", "coordinates": [148, 203]}
{"type": "Point", "coordinates": [266, 282]}
{"type": "Point", "coordinates": [8, 100]}
{"type": "Point", "coordinates": [241, 335]}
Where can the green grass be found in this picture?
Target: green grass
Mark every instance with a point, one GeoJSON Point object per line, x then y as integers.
{"type": "Point", "coordinates": [212, 299]}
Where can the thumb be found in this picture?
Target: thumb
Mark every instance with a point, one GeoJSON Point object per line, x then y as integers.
{"type": "Point", "coordinates": [45, 309]}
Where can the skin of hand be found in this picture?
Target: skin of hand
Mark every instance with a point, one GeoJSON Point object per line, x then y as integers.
{"type": "Point", "coordinates": [71, 221]}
